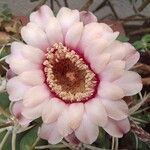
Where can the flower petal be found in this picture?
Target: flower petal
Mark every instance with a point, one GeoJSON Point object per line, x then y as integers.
{"type": "Point", "coordinates": [16, 111]}
{"type": "Point", "coordinates": [116, 110]}
{"type": "Point", "coordinates": [54, 31]}
{"type": "Point", "coordinates": [130, 82]}
{"type": "Point", "coordinates": [87, 17]}
{"type": "Point", "coordinates": [99, 62]}
{"type": "Point", "coordinates": [76, 111]}
{"type": "Point", "coordinates": [63, 124]}
{"type": "Point", "coordinates": [73, 35]}
{"type": "Point", "coordinates": [34, 55]}
{"type": "Point", "coordinates": [113, 70]}
{"type": "Point", "coordinates": [16, 89]}
{"type": "Point", "coordinates": [94, 31]}
{"type": "Point", "coordinates": [117, 128]}
{"type": "Point", "coordinates": [96, 112]}
{"type": "Point", "coordinates": [34, 36]}
{"type": "Point", "coordinates": [19, 64]}
{"type": "Point", "coordinates": [41, 16]}
{"type": "Point", "coordinates": [67, 18]}
{"type": "Point", "coordinates": [52, 110]}
{"type": "Point", "coordinates": [35, 77]}
{"type": "Point", "coordinates": [110, 91]}
{"type": "Point", "coordinates": [34, 112]}
{"type": "Point", "coordinates": [87, 131]}
{"type": "Point", "coordinates": [35, 95]}
{"type": "Point", "coordinates": [50, 132]}
{"type": "Point", "coordinates": [132, 60]}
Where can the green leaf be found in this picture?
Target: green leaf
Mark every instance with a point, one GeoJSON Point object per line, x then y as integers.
{"type": "Point", "coordinates": [4, 100]}
{"type": "Point", "coordinates": [28, 139]}
{"type": "Point", "coordinates": [122, 38]}
{"type": "Point", "coordinates": [138, 44]}
{"type": "Point", "coordinates": [146, 38]}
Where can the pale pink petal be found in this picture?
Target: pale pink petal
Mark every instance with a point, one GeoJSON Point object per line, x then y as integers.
{"type": "Point", "coordinates": [116, 110]}
{"type": "Point", "coordinates": [94, 31]}
{"type": "Point", "coordinates": [117, 128]}
{"type": "Point", "coordinates": [96, 112]}
{"type": "Point", "coordinates": [34, 55]}
{"type": "Point", "coordinates": [34, 112]}
{"type": "Point", "coordinates": [87, 131]}
{"type": "Point", "coordinates": [10, 74]}
{"type": "Point", "coordinates": [34, 36]}
{"type": "Point", "coordinates": [87, 17]}
{"type": "Point", "coordinates": [16, 89]}
{"type": "Point", "coordinates": [41, 16]}
{"type": "Point", "coordinates": [73, 35]}
{"type": "Point", "coordinates": [50, 132]}
{"type": "Point", "coordinates": [72, 139]}
{"type": "Point", "coordinates": [130, 82]}
{"type": "Point", "coordinates": [63, 123]}
{"type": "Point", "coordinates": [35, 95]}
{"type": "Point", "coordinates": [123, 51]}
{"type": "Point", "coordinates": [76, 111]}
{"type": "Point", "coordinates": [19, 64]}
{"type": "Point", "coordinates": [113, 70]}
{"type": "Point", "coordinates": [110, 91]}
{"type": "Point", "coordinates": [52, 110]}
{"type": "Point", "coordinates": [34, 77]}
{"type": "Point", "coordinates": [16, 111]}
{"type": "Point", "coordinates": [67, 18]}
{"type": "Point", "coordinates": [132, 60]}
{"type": "Point", "coordinates": [118, 50]}
{"type": "Point", "coordinates": [54, 31]}
{"type": "Point", "coordinates": [99, 62]}
{"type": "Point", "coordinates": [97, 45]}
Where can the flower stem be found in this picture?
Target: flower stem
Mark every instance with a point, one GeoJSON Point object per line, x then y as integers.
{"type": "Point", "coordinates": [13, 142]}
{"type": "Point", "coordinates": [92, 147]}
{"type": "Point", "coordinates": [113, 143]}
{"type": "Point", "coordinates": [4, 139]}
{"type": "Point", "coordinates": [51, 146]}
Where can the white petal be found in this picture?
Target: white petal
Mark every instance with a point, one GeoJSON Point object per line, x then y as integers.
{"type": "Point", "coordinates": [130, 82]}
{"type": "Point", "coordinates": [76, 111]}
{"type": "Point", "coordinates": [67, 18]}
{"type": "Point", "coordinates": [87, 17]}
{"type": "Point", "coordinates": [36, 95]}
{"type": "Point", "coordinates": [34, 36]}
{"type": "Point", "coordinates": [41, 16]}
{"type": "Point", "coordinates": [87, 131]}
{"type": "Point", "coordinates": [52, 110]}
{"type": "Point", "coordinates": [113, 70]}
{"type": "Point", "coordinates": [117, 128]}
{"type": "Point", "coordinates": [96, 112]}
{"type": "Point", "coordinates": [110, 91]}
{"type": "Point", "coordinates": [19, 64]}
{"type": "Point", "coordinates": [63, 123]}
{"type": "Point", "coordinates": [16, 111]}
{"type": "Point", "coordinates": [99, 62]}
{"type": "Point", "coordinates": [35, 77]}
{"type": "Point", "coordinates": [54, 31]}
{"type": "Point", "coordinates": [50, 132]}
{"type": "Point", "coordinates": [94, 31]}
{"type": "Point", "coordinates": [34, 55]}
{"type": "Point", "coordinates": [116, 110]}
{"type": "Point", "coordinates": [34, 112]}
{"type": "Point", "coordinates": [16, 89]}
{"type": "Point", "coordinates": [73, 35]}
{"type": "Point", "coordinates": [132, 60]}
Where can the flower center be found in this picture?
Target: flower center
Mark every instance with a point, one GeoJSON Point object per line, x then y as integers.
{"type": "Point", "coordinates": [68, 76]}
